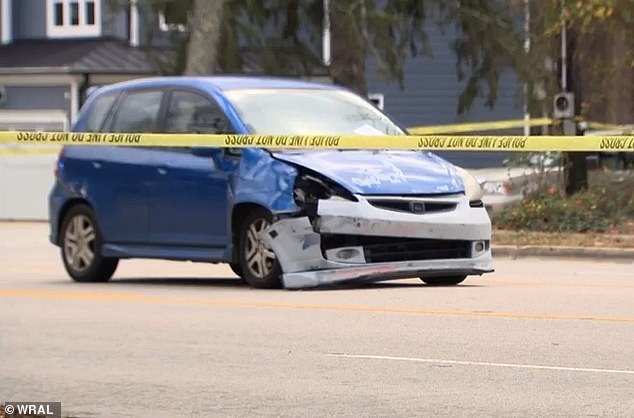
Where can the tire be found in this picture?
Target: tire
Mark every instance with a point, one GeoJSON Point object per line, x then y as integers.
{"type": "Point", "coordinates": [257, 262]}
{"type": "Point", "coordinates": [443, 281]}
{"type": "Point", "coordinates": [236, 269]}
{"type": "Point", "coordinates": [80, 242]}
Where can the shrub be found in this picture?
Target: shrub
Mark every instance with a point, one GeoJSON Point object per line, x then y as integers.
{"type": "Point", "coordinates": [608, 205]}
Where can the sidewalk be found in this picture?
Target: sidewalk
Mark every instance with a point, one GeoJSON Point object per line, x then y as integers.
{"type": "Point", "coordinates": [587, 253]}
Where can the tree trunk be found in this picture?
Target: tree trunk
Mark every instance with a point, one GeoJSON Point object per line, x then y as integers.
{"type": "Point", "coordinates": [621, 106]}
{"type": "Point", "coordinates": [348, 56]}
{"type": "Point", "coordinates": [202, 48]}
{"type": "Point", "coordinates": [576, 166]}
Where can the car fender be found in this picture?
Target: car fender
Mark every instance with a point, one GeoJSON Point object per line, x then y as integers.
{"type": "Point", "coordinates": [260, 179]}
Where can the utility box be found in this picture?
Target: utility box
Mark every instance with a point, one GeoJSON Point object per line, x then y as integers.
{"type": "Point", "coordinates": [564, 106]}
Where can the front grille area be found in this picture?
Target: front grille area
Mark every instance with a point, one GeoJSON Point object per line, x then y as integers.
{"type": "Point", "coordinates": [386, 249]}
{"type": "Point", "coordinates": [413, 206]}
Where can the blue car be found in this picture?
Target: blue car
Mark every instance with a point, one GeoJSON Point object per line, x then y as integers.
{"type": "Point", "coordinates": [280, 218]}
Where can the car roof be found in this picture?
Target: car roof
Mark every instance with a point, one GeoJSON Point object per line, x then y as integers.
{"type": "Point", "coordinates": [221, 83]}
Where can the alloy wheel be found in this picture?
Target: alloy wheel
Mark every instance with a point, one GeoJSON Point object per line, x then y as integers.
{"type": "Point", "coordinates": [79, 243]}
{"type": "Point", "coordinates": [260, 258]}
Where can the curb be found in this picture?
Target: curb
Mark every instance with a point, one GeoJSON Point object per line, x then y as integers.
{"type": "Point", "coordinates": [595, 253]}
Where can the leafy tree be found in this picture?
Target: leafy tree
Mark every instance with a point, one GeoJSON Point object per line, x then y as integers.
{"type": "Point", "coordinates": [600, 65]}
{"type": "Point", "coordinates": [488, 42]}
{"type": "Point", "coordinates": [601, 54]}
{"type": "Point", "coordinates": [283, 37]}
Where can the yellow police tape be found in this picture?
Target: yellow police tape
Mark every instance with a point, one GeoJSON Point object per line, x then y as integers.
{"type": "Point", "coordinates": [478, 126]}
{"type": "Point", "coordinates": [501, 125]}
{"type": "Point", "coordinates": [395, 142]}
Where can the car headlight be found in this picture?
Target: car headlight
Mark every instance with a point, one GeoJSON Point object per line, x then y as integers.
{"type": "Point", "coordinates": [309, 188]}
{"type": "Point", "coordinates": [472, 188]}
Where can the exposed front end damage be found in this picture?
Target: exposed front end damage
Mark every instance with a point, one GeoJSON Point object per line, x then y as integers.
{"type": "Point", "coordinates": [341, 237]}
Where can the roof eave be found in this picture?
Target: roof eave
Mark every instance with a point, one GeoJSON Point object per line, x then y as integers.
{"type": "Point", "coordinates": [34, 70]}
{"type": "Point", "coordinates": [71, 70]}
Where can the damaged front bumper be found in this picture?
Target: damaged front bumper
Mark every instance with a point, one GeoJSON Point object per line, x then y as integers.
{"type": "Point", "coordinates": [379, 238]}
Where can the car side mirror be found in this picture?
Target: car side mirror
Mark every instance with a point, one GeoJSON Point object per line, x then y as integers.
{"type": "Point", "coordinates": [210, 152]}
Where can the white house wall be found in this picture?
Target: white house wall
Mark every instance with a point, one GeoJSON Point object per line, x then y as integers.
{"type": "Point", "coordinates": [25, 181]}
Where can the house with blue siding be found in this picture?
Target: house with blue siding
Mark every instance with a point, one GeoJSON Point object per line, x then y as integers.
{"type": "Point", "coordinates": [430, 97]}
{"type": "Point", "coordinates": [53, 51]}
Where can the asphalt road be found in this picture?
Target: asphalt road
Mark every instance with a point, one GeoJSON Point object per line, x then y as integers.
{"type": "Point", "coordinates": [538, 338]}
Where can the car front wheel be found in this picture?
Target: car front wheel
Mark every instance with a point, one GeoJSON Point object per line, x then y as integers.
{"type": "Point", "coordinates": [443, 281]}
{"type": "Point", "coordinates": [258, 264]}
{"type": "Point", "coordinates": [80, 243]}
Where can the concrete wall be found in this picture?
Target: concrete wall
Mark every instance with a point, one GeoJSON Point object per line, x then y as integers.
{"type": "Point", "coordinates": [27, 172]}
{"type": "Point", "coordinates": [25, 181]}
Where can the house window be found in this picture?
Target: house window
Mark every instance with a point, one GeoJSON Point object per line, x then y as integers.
{"type": "Point", "coordinates": [59, 14]}
{"type": "Point", "coordinates": [174, 16]}
{"type": "Point", "coordinates": [90, 12]}
{"type": "Point", "coordinates": [74, 13]}
{"type": "Point", "coordinates": [70, 18]}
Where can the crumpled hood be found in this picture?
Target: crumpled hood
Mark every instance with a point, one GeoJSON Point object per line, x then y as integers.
{"type": "Point", "coordinates": [381, 172]}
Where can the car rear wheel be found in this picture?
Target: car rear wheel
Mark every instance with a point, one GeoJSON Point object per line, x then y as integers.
{"type": "Point", "coordinates": [258, 264]}
{"type": "Point", "coordinates": [443, 281]}
{"type": "Point", "coordinates": [80, 242]}
{"type": "Point", "coordinates": [235, 268]}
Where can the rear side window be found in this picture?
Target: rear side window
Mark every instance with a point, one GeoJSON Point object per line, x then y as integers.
{"type": "Point", "coordinates": [138, 111]}
{"type": "Point", "coordinates": [99, 111]}
{"type": "Point", "coordinates": [190, 112]}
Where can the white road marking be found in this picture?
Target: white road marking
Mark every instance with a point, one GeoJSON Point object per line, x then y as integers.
{"type": "Point", "coordinates": [483, 363]}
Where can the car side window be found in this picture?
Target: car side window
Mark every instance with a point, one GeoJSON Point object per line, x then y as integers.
{"type": "Point", "coordinates": [138, 111]}
{"type": "Point", "coordinates": [190, 112]}
{"type": "Point", "coordinates": [99, 111]}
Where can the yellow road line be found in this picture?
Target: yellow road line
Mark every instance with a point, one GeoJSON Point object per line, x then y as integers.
{"type": "Point", "coordinates": [167, 300]}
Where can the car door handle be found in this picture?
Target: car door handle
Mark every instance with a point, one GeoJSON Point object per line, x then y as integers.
{"type": "Point", "coordinates": [96, 164]}
{"type": "Point", "coordinates": [161, 170]}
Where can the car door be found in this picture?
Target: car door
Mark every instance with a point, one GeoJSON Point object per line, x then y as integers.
{"type": "Point", "coordinates": [189, 202]}
{"type": "Point", "coordinates": [127, 172]}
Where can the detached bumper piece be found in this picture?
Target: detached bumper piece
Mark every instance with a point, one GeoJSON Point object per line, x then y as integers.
{"type": "Point", "coordinates": [360, 241]}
